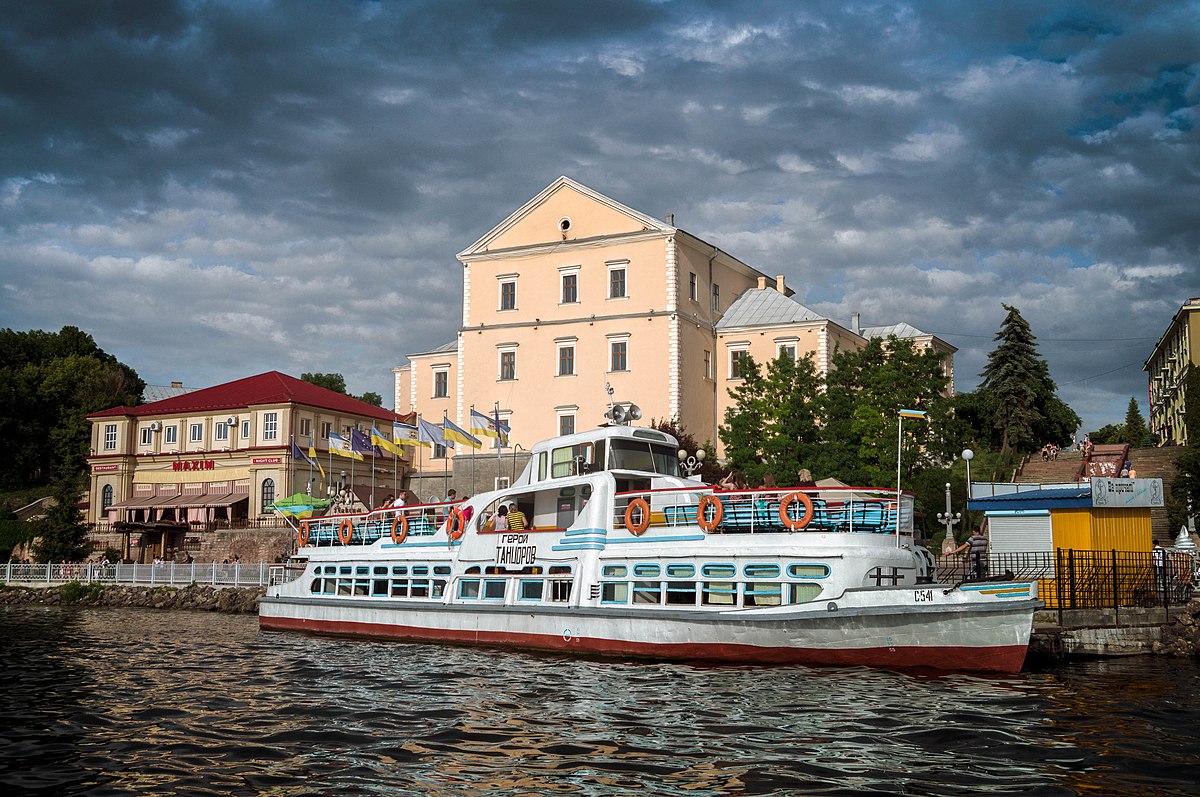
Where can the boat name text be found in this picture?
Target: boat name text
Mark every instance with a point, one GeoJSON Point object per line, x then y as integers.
{"type": "Point", "coordinates": [515, 549]}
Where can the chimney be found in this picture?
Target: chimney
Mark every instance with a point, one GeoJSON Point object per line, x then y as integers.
{"type": "Point", "coordinates": [854, 324]}
{"type": "Point", "coordinates": [671, 219]}
{"type": "Point", "coordinates": [779, 283]}
{"type": "Point", "coordinates": [177, 384]}
{"type": "Point", "coordinates": [762, 283]}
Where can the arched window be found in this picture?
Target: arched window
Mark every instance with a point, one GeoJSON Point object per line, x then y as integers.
{"type": "Point", "coordinates": [106, 499]}
{"type": "Point", "coordinates": [268, 493]}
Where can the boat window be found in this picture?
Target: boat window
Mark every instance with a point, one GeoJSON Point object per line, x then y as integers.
{"type": "Point", "coordinates": [361, 587]}
{"type": "Point", "coordinates": [473, 570]}
{"type": "Point", "coordinates": [614, 592]}
{"type": "Point", "coordinates": [399, 588]}
{"type": "Point", "coordinates": [645, 570]}
{"type": "Point", "coordinates": [647, 592]}
{"type": "Point", "coordinates": [399, 570]}
{"type": "Point", "coordinates": [468, 589]}
{"type": "Point", "coordinates": [718, 571]}
{"type": "Point", "coordinates": [803, 593]}
{"type": "Point", "coordinates": [362, 570]}
{"type": "Point", "coordinates": [345, 586]}
{"type": "Point", "coordinates": [761, 571]}
{"type": "Point", "coordinates": [560, 590]}
{"type": "Point", "coordinates": [420, 570]}
{"type": "Point", "coordinates": [330, 586]}
{"type": "Point", "coordinates": [380, 585]}
{"type": "Point", "coordinates": [439, 587]}
{"type": "Point", "coordinates": [681, 593]}
{"type": "Point", "coordinates": [418, 588]}
{"type": "Point", "coordinates": [316, 586]}
{"type": "Point", "coordinates": [531, 590]}
{"type": "Point", "coordinates": [381, 571]}
{"type": "Point", "coordinates": [798, 570]}
{"type": "Point", "coordinates": [681, 570]}
{"type": "Point", "coordinates": [719, 593]}
{"type": "Point", "coordinates": [541, 458]}
{"type": "Point", "coordinates": [637, 455]}
{"type": "Point", "coordinates": [441, 570]}
{"type": "Point", "coordinates": [615, 571]}
{"type": "Point", "coordinates": [559, 570]}
{"type": "Point", "coordinates": [493, 589]}
{"type": "Point", "coordinates": [571, 460]}
{"type": "Point", "coordinates": [763, 593]}
{"type": "Point", "coordinates": [345, 570]}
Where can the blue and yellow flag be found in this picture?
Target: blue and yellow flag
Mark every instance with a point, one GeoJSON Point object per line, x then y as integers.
{"type": "Point", "coordinates": [406, 435]}
{"type": "Point", "coordinates": [378, 439]}
{"type": "Point", "coordinates": [341, 446]}
{"type": "Point", "coordinates": [452, 432]}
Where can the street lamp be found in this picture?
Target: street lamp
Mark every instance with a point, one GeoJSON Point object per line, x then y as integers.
{"type": "Point", "coordinates": [967, 456]}
{"type": "Point", "coordinates": [948, 518]}
{"type": "Point", "coordinates": [690, 463]}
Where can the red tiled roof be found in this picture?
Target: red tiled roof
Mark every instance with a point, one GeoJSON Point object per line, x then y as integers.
{"type": "Point", "coordinates": [272, 387]}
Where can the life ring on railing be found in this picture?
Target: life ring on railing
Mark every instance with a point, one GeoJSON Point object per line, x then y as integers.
{"type": "Point", "coordinates": [399, 529]}
{"type": "Point", "coordinates": [702, 512]}
{"type": "Point", "coordinates": [345, 531]}
{"type": "Point", "coordinates": [456, 524]}
{"type": "Point", "coordinates": [302, 533]}
{"type": "Point", "coordinates": [786, 501]}
{"type": "Point", "coordinates": [636, 529]}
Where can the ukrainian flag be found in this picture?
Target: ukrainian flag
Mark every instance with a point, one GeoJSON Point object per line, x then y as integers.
{"type": "Point", "coordinates": [456, 435]}
{"type": "Point", "coordinates": [377, 439]}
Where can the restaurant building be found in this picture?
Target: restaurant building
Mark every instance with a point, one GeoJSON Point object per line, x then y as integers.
{"type": "Point", "coordinates": [218, 457]}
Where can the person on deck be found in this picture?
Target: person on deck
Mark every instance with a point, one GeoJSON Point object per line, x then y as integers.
{"type": "Point", "coordinates": [501, 522]}
{"type": "Point", "coordinates": [516, 519]}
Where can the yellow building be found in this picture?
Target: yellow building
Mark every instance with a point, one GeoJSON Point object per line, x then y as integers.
{"type": "Point", "coordinates": [574, 293]}
{"type": "Point", "coordinates": [1167, 368]}
{"type": "Point", "coordinates": [218, 457]}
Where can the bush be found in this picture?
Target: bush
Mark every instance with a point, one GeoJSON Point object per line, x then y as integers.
{"type": "Point", "coordinates": [74, 592]}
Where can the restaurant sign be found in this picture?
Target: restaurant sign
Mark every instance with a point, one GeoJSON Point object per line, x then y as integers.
{"type": "Point", "coordinates": [104, 468]}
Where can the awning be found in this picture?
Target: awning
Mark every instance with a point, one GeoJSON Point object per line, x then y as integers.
{"type": "Point", "coordinates": [135, 503]}
{"type": "Point", "coordinates": [225, 500]}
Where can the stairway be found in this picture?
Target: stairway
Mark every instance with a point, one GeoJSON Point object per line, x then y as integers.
{"type": "Point", "coordinates": [1057, 471]}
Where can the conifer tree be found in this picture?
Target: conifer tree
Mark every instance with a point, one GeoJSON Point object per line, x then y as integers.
{"type": "Point", "coordinates": [1136, 433]}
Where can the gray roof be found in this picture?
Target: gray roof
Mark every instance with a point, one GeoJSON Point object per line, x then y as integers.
{"type": "Point", "coordinates": [766, 307]}
{"type": "Point", "coordinates": [152, 393]}
{"type": "Point", "coordinates": [448, 346]}
{"type": "Point", "coordinates": [901, 330]}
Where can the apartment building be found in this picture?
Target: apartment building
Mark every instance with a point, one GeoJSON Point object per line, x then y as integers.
{"type": "Point", "coordinates": [1167, 368]}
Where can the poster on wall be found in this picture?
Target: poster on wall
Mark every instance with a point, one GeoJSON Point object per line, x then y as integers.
{"type": "Point", "coordinates": [1126, 493]}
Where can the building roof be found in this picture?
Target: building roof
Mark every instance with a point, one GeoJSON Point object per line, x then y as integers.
{"type": "Point", "coordinates": [159, 392]}
{"type": "Point", "coordinates": [765, 307]}
{"type": "Point", "coordinates": [1053, 498]}
{"type": "Point", "coordinates": [272, 387]}
{"type": "Point", "coordinates": [901, 330]}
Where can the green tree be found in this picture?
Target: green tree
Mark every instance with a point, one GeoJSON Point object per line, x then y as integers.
{"type": "Point", "coordinates": [1136, 433]}
{"type": "Point", "coordinates": [334, 382]}
{"type": "Point", "coordinates": [709, 471]}
{"type": "Point", "coordinates": [1105, 435]}
{"type": "Point", "coordinates": [1185, 489]}
{"type": "Point", "coordinates": [63, 534]}
{"type": "Point", "coordinates": [741, 433]}
{"type": "Point", "coordinates": [372, 397]}
{"type": "Point", "coordinates": [1020, 395]}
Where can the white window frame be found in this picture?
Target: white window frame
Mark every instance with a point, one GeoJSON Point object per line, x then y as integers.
{"type": "Point", "coordinates": [693, 287]}
{"type": "Point", "coordinates": [568, 273]}
{"type": "Point", "coordinates": [147, 435]}
{"type": "Point", "coordinates": [270, 426]}
{"type": "Point", "coordinates": [559, 346]}
{"type": "Point", "coordinates": [502, 281]}
{"type": "Point", "coordinates": [196, 433]}
{"type": "Point", "coordinates": [170, 435]}
{"type": "Point", "coordinates": [792, 343]}
{"type": "Point", "coordinates": [716, 298]}
{"type": "Point", "coordinates": [501, 351]}
{"type": "Point", "coordinates": [110, 437]}
{"type": "Point", "coordinates": [246, 429]}
{"type": "Point", "coordinates": [734, 350]}
{"type": "Point", "coordinates": [444, 375]}
{"type": "Point", "coordinates": [326, 428]}
{"type": "Point", "coordinates": [306, 427]}
{"type": "Point", "coordinates": [221, 432]}
{"type": "Point", "coordinates": [708, 372]}
{"type": "Point", "coordinates": [613, 342]}
{"type": "Point", "coordinates": [564, 416]}
{"type": "Point", "coordinates": [622, 267]}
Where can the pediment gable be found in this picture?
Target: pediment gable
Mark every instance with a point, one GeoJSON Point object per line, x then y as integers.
{"type": "Point", "coordinates": [564, 203]}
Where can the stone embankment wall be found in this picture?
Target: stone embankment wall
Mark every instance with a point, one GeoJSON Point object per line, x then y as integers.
{"type": "Point", "coordinates": [1181, 637]}
{"type": "Point", "coordinates": [229, 600]}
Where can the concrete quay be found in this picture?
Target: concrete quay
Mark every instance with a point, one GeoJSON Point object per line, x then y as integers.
{"type": "Point", "coordinates": [1103, 633]}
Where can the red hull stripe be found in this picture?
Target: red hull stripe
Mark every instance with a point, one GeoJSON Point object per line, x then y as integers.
{"type": "Point", "coordinates": [997, 659]}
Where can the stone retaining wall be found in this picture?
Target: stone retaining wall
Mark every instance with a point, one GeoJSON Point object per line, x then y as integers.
{"type": "Point", "coordinates": [229, 600]}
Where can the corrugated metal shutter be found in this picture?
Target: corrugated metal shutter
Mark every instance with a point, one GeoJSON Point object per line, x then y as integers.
{"type": "Point", "coordinates": [1020, 533]}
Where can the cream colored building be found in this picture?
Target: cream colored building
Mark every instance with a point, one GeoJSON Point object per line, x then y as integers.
{"type": "Point", "coordinates": [574, 291]}
{"type": "Point", "coordinates": [1167, 367]}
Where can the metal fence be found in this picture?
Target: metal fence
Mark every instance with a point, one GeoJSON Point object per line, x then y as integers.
{"type": "Point", "coordinates": [255, 574]}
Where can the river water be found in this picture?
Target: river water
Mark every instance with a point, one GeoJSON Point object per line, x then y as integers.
{"type": "Point", "coordinates": [127, 701]}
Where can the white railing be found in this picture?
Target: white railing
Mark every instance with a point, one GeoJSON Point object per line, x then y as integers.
{"type": "Point", "coordinates": [249, 574]}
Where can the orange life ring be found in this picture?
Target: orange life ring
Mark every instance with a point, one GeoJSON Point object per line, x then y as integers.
{"type": "Point", "coordinates": [636, 529]}
{"type": "Point", "coordinates": [302, 533]}
{"type": "Point", "coordinates": [795, 525]}
{"type": "Point", "coordinates": [702, 512]}
{"type": "Point", "coordinates": [456, 524]}
{"type": "Point", "coordinates": [399, 529]}
{"type": "Point", "coordinates": [345, 530]}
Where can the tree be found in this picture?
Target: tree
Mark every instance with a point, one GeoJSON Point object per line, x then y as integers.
{"type": "Point", "coordinates": [1185, 489]}
{"type": "Point", "coordinates": [62, 534]}
{"type": "Point", "coordinates": [334, 382]}
{"type": "Point", "coordinates": [372, 397]}
{"type": "Point", "coordinates": [1020, 396]}
{"type": "Point", "coordinates": [709, 471]}
{"type": "Point", "coordinates": [1136, 433]}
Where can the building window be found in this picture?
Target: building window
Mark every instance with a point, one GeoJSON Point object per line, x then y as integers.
{"type": "Point", "coordinates": [508, 295]}
{"type": "Point", "coordinates": [566, 360]}
{"type": "Point", "coordinates": [708, 365]}
{"type": "Point", "coordinates": [693, 291]}
{"type": "Point", "coordinates": [106, 497]}
{"type": "Point", "coordinates": [268, 493]}
{"type": "Point", "coordinates": [245, 430]}
{"type": "Point", "coordinates": [270, 426]}
{"type": "Point", "coordinates": [171, 434]}
{"type": "Point", "coordinates": [570, 288]}
{"type": "Point", "coordinates": [306, 427]}
{"type": "Point", "coordinates": [508, 365]}
{"type": "Point", "coordinates": [147, 435]}
{"type": "Point", "coordinates": [441, 384]}
{"type": "Point", "coordinates": [737, 363]}
{"type": "Point", "coordinates": [716, 298]}
{"type": "Point", "coordinates": [326, 428]}
{"type": "Point", "coordinates": [566, 424]}
{"type": "Point", "coordinates": [439, 451]}
{"type": "Point", "coordinates": [221, 431]}
{"type": "Point", "coordinates": [197, 432]}
{"type": "Point", "coordinates": [110, 437]}
{"type": "Point", "coordinates": [619, 361]}
{"type": "Point", "coordinates": [787, 351]}
{"type": "Point", "coordinates": [616, 283]}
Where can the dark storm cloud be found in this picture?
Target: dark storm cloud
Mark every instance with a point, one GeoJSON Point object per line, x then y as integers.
{"type": "Point", "coordinates": [284, 186]}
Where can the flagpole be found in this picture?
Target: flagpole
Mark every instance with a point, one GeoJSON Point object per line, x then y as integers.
{"type": "Point", "coordinates": [292, 463]}
{"type": "Point", "coordinates": [445, 460]}
{"type": "Point", "coordinates": [310, 464]}
{"type": "Point", "coordinates": [420, 456]}
{"type": "Point", "coordinates": [499, 443]}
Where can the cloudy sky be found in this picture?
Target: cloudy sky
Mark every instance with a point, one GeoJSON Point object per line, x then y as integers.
{"type": "Point", "coordinates": [218, 189]}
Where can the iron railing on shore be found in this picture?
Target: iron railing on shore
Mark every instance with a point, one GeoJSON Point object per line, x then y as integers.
{"type": "Point", "coordinates": [250, 574]}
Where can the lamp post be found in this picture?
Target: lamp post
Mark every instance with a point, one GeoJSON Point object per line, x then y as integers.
{"type": "Point", "coordinates": [690, 463]}
{"type": "Point", "coordinates": [948, 518]}
{"type": "Point", "coordinates": [967, 456]}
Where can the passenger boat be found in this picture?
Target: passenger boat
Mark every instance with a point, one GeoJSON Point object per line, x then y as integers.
{"type": "Point", "coordinates": [624, 555]}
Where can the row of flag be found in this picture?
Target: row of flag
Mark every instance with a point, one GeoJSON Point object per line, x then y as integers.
{"type": "Point", "coordinates": [424, 434]}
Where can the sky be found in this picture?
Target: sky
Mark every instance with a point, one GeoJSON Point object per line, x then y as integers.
{"type": "Point", "coordinates": [218, 189]}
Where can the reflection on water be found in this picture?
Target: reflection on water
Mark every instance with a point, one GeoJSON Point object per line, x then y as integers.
{"type": "Point", "coordinates": [121, 701]}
